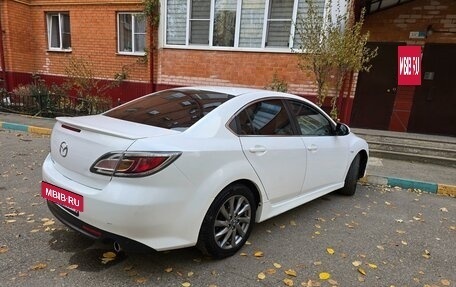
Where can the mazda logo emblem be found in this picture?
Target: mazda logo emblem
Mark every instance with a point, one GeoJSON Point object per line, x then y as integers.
{"type": "Point", "coordinates": [63, 149]}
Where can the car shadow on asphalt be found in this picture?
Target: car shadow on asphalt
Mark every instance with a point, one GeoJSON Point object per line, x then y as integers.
{"type": "Point", "coordinates": [88, 253]}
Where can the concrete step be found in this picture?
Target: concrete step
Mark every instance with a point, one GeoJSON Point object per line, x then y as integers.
{"type": "Point", "coordinates": [418, 148]}
{"type": "Point", "coordinates": [411, 147]}
{"type": "Point", "coordinates": [443, 161]}
{"type": "Point", "coordinates": [435, 143]}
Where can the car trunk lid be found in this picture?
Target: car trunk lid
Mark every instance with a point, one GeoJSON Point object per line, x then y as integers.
{"type": "Point", "coordinates": [77, 143]}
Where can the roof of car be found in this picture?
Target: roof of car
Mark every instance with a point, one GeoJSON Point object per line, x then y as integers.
{"type": "Point", "coordinates": [235, 91]}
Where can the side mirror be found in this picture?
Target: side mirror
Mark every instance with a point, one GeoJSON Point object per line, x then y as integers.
{"type": "Point", "coordinates": [342, 129]}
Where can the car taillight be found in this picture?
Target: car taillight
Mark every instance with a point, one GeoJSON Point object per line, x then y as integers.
{"type": "Point", "coordinates": [133, 164]}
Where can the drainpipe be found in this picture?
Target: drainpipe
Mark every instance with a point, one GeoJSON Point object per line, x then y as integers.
{"type": "Point", "coordinates": [151, 57]}
{"type": "Point", "coordinates": [346, 108]}
{"type": "Point", "coordinates": [2, 56]}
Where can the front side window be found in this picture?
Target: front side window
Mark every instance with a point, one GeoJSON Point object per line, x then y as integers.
{"type": "Point", "coordinates": [266, 118]}
{"type": "Point", "coordinates": [310, 121]}
{"type": "Point", "coordinates": [59, 36]}
{"type": "Point", "coordinates": [131, 28]}
{"type": "Point", "coordinates": [257, 24]}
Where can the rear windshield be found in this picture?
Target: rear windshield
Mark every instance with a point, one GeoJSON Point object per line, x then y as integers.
{"type": "Point", "coordinates": [170, 109]}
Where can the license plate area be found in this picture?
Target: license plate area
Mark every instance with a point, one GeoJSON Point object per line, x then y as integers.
{"type": "Point", "coordinates": [71, 201]}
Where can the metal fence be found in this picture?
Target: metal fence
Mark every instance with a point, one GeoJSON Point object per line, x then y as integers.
{"type": "Point", "coordinates": [51, 105]}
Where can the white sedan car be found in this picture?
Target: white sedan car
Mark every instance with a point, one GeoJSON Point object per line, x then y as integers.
{"type": "Point", "coordinates": [196, 166]}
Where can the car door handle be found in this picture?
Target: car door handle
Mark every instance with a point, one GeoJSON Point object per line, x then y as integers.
{"type": "Point", "coordinates": [257, 149]}
{"type": "Point", "coordinates": [312, 148]}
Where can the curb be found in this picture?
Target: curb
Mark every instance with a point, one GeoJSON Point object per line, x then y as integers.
{"type": "Point", "coordinates": [25, 128]}
{"type": "Point", "coordinates": [443, 189]}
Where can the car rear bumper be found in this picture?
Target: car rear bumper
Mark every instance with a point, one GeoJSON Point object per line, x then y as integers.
{"type": "Point", "coordinates": [91, 231]}
{"type": "Point", "coordinates": [157, 212]}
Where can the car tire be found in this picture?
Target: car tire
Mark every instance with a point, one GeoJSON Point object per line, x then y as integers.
{"type": "Point", "coordinates": [352, 178]}
{"type": "Point", "coordinates": [228, 222]}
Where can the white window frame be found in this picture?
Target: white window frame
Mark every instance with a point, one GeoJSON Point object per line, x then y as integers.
{"type": "Point", "coordinates": [133, 23]}
{"type": "Point", "coordinates": [49, 16]}
{"type": "Point", "coordinates": [236, 47]}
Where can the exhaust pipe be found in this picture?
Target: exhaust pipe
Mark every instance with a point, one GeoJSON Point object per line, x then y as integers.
{"type": "Point", "coordinates": [117, 247]}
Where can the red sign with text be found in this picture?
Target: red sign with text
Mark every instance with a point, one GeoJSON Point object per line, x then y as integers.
{"type": "Point", "coordinates": [409, 65]}
{"type": "Point", "coordinates": [62, 196]}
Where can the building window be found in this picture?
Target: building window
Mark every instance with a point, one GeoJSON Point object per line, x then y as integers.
{"type": "Point", "coordinates": [255, 24]}
{"type": "Point", "coordinates": [279, 23]}
{"type": "Point", "coordinates": [131, 37]}
{"type": "Point", "coordinates": [224, 23]}
{"type": "Point", "coordinates": [59, 36]}
{"type": "Point", "coordinates": [199, 21]}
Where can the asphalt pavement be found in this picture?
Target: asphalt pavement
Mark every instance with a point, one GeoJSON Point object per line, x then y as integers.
{"type": "Point", "coordinates": [405, 174]}
{"type": "Point", "coordinates": [381, 236]}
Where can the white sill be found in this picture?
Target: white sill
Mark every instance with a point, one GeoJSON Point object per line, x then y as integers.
{"type": "Point", "coordinates": [231, 49]}
{"type": "Point", "coordinates": [60, 50]}
{"type": "Point", "coordinates": [131, 54]}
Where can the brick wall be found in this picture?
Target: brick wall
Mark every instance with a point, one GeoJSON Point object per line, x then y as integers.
{"type": "Point", "coordinates": [18, 42]}
{"type": "Point", "coordinates": [93, 38]}
{"type": "Point", "coordinates": [182, 67]}
{"type": "Point", "coordinates": [395, 24]}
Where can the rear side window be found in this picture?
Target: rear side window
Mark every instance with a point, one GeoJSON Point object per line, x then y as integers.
{"type": "Point", "coordinates": [171, 109]}
{"type": "Point", "coordinates": [264, 118]}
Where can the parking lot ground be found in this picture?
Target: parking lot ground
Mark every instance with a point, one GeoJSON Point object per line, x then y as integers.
{"type": "Point", "coordinates": [381, 236]}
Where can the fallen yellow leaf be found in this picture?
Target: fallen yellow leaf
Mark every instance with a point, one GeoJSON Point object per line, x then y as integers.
{"type": "Point", "coordinates": [63, 274]}
{"type": "Point", "coordinates": [330, 250]}
{"type": "Point", "coordinates": [49, 222]}
{"type": "Point", "coordinates": [373, 266]}
{"type": "Point", "coordinates": [311, 283]}
{"type": "Point", "coordinates": [261, 275]}
{"type": "Point", "coordinates": [324, 275]}
{"type": "Point", "coordinates": [140, 280]}
{"type": "Point", "coordinates": [186, 284]}
{"type": "Point", "coordinates": [3, 249]}
{"type": "Point", "coordinates": [243, 254]}
{"type": "Point", "coordinates": [333, 282]}
{"type": "Point", "coordinates": [190, 274]}
{"type": "Point", "coordinates": [258, 254]}
{"type": "Point", "coordinates": [38, 266]}
{"type": "Point", "coordinates": [73, 266]}
{"type": "Point", "coordinates": [288, 282]}
{"type": "Point", "coordinates": [293, 223]}
{"type": "Point", "coordinates": [109, 254]}
{"type": "Point", "coordinates": [356, 263]}
{"type": "Point", "coordinates": [168, 270]}
{"type": "Point", "coordinates": [426, 254]}
{"type": "Point", "coordinates": [105, 260]}
{"type": "Point", "coordinates": [361, 270]}
{"type": "Point", "coordinates": [445, 282]}
{"type": "Point", "coordinates": [277, 265]}
{"type": "Point", "coordinates": [271, 271]}
{"type": "Point", "coordinates": [291, 272]}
